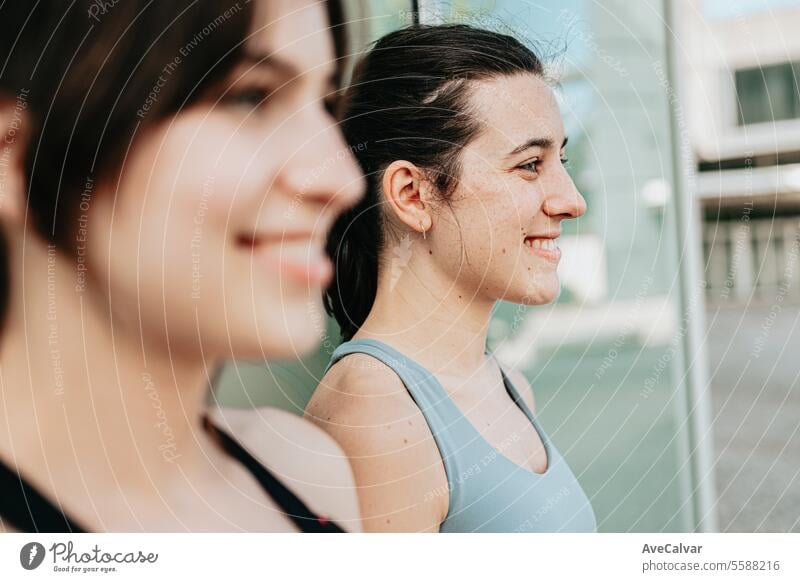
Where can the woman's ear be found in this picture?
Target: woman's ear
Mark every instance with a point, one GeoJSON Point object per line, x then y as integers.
{"type": "Point", "coordinates": [13, 123]}
{"type": "Point", "coordinates": [403, 186]}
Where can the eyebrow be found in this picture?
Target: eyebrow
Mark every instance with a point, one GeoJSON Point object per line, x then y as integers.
{"type": "Point", "coordinates": [536, 142]}
{"type": "Point", "coordinates": [281, 66]}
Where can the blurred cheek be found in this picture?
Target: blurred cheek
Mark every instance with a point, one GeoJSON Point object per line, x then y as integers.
{"type": "Point", "coordinates": [186, 191]}
{"type": "Point", "coordinates": [183, 192]}
{"type": "Point", "coordinates": [211, 170]}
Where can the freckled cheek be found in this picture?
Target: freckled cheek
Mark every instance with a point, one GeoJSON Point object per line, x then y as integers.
{"type": "Point", "coordinates": [506, 222]}
{"type": "Point", "coordinates": [510, 219]}
{"type": "Point", "coordinates": [489, 223]}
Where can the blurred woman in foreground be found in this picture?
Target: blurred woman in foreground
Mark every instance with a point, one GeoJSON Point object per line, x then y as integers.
{"type": "Point", "coordinates": [159, 218]}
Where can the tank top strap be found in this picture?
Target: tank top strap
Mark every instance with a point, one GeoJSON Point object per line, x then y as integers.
{"type": "Point", "coordinates": [289, 503]}
{"type": "Point", "coordinates": [512, 391]}
{"type": "Point", "coordinates": [27, 510]}
{"type": "Point", "coordinates": [423, 386]}
{"type": "Point", "coordinates": [450, 428]}
{"type": "Point", "coordinates": [517, 398]}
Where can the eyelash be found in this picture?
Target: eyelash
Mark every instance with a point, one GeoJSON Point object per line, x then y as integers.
{"type": "Point", "coordinates": [252, 97]}
{"type": "Point", "coordinates": [255, 98]}
{"type": "Point", "coordinates": [536, 162]}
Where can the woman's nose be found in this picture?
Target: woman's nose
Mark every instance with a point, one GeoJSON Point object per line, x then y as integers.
{"type": "Point", "coordinates": [324, 168]}
{"type": "Point", "coordinates": [565, 200]}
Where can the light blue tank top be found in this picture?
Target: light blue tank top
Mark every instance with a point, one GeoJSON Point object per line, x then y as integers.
{"type": "Point", "coordinates": [488, 492]}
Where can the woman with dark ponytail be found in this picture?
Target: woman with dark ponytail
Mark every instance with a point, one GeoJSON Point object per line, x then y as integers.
{"type": "Point", "coordinates": [159, 220]}
{"type": "Point", "coordinates": [461, 141]}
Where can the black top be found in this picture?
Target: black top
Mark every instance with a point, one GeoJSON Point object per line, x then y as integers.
{"type": "Point", "coordinates": [27, 510]}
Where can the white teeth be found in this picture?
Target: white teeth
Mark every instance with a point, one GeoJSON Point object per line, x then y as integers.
{"type": "Point", "coordinates": [547, 244]}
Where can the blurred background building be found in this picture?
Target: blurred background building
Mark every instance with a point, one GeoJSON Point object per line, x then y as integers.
{"type": "Point", "coordinates": [743, 107]}
{"type": "Point", "coordinates": [666, 371]}
{"type": "Point", "coordinates": [743, 111]}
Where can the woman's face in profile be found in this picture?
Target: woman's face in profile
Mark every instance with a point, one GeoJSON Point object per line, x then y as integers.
{"type": "Point", "coordinates": [508, 195]}
{"type": "Point", "coordinates": [215, 238]}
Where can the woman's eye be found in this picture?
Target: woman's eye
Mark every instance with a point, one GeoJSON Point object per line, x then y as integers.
{"type": "Point", "coordinates": [251, 98]}
{"type": "Point", "coordinates": [565, 162]}
{"type": "Point", "coordinates": [532, 166]}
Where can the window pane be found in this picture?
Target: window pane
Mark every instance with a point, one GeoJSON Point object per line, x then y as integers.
{"type": "Point", "coordinates": [767, 94]}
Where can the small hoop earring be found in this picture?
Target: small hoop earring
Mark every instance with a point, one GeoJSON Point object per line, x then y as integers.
{"type": "Point", "coordinates": [424, 236]}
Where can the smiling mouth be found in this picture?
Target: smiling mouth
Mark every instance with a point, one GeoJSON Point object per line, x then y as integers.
{"type": "Point", "coordinates": [297, 256]}
{"type": "Point", "coordinates": [545, 247]}
{"type": "Point", "coordinates": [548, 244]}
{"type": "Point", "coordinates": [253, 240]}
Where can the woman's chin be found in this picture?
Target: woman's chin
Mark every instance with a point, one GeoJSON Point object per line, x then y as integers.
{"type": "Point", "coordinates": [271, 345]}
{"type": "Point", "coordinates": [303, 343]}
{"type": "Point", "coordinates": [539, 293]}
{"type": "Point", "coordinates": [296, 336]}
{"type": "Point", "coordinates": [289, 335]}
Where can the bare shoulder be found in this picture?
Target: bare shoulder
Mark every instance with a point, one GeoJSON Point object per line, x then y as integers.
{"type": "Point", "coordinates": [364, 405]}
{"type": "Point", "coordinates": [361, 386]}
{"type": "Point", "coordinates": [522, 385]}
{"type": "Point", "coordinates": [303, 456]}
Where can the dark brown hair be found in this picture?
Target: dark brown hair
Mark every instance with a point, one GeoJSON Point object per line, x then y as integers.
{"type": "Point", "coordinates": [98, 73]}
{"type": "Point", "coordinates": [94, 74]}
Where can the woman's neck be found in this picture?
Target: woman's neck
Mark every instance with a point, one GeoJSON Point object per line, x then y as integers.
{"type": "Point", "coordinates": [427, 315]}
{"type": "Point", "coordinates": [81, 392]}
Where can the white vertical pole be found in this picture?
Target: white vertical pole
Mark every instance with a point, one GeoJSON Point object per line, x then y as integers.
{"type": "Point", "coordinates": [790, 266]}
{"type": "Point", "coordinates": [742, 263]}
{"type": "Point", "coordinates": [692, 296]}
